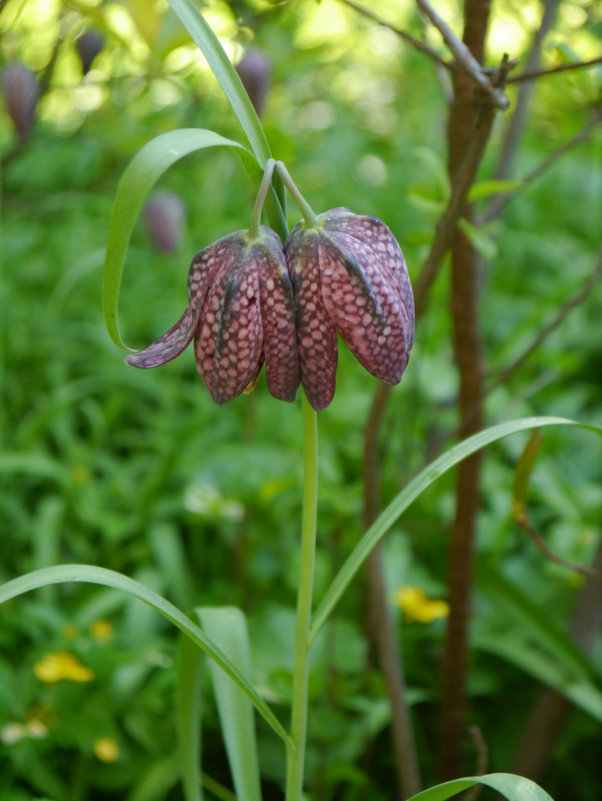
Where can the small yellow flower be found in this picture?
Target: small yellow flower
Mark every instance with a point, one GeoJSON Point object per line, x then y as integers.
{"type": "Point", "coordinates": [106, 749]}
{"type": "Point", "coordinates": [417, 607]}
{"type": "Point", "coordinates": [101, 630]}
{"type": "Point", "coordinates": [61, 665]}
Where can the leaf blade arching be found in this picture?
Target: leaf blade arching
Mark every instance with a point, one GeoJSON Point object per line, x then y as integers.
{"type": "Point", "coordinates": [143, 171]}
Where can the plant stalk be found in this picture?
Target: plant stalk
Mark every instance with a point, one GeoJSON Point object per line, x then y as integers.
{"type": "Point", "coordinates": [296, 751]}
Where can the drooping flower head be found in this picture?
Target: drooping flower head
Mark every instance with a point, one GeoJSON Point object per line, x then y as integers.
{"type": "Point", "coordinates": [240, 313]}
{"type": "Point", "coordinates": [349, 277]}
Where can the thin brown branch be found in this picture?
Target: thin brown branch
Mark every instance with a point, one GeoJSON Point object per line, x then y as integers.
{"type": "Point", "coordinates": [571, 304]}
{"type": "Point", "coordinates": [482, 761]}
{"type": "Point", "coordinates": [523, 99]}
{"type": "Point", "coordinates": [422, 46]}
{"type": "Point", "coordinates": [464, 57]}
{"type": "Point", "coordinates": [532, 74]}
{"type": "Point", "coordinates": [522, 520]}
{"type": "Point", "coordinates": [501, 201]}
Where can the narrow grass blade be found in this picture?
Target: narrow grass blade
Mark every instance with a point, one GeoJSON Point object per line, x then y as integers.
{"type": "Point", "coordinates": [226, 75]}
{"type": "Point", "coordinates": [189, 671]}
{"type": "Point", "coordinates": [147, 166]}
{"type": "Point", "coordinates": [227, 627]}
{"type": "Point", "coordinates": [418, 484]}
{"type": "Point", "coordinates": [109, 578]}
{"type": "Point", "coordinates": [514, 788]}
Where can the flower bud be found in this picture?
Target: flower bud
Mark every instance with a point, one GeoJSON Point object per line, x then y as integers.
{"type": "Point", "coordinates": [164, 216]}
{"type": "Point", "coordinates": [255, 72]}
{"type": "Point", "coordinates": [20, 91]}
{"type": "Point", "coordinates": [88, 46]}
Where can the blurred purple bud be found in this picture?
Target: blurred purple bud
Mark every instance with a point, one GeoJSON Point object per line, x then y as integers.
{"type": "Point", "coordinates": [20, 91]}
{"type": "Point", "coordinates": [88, 46]}
{"type": "Point", "coordinates": [164, 215]}
{"type": "Point", "coordinates": [255, 72]}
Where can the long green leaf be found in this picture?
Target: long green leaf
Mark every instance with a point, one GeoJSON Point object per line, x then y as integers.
{"type": "Point", "coordinates": [423, 480]}
{"type": "Point", "coordinates": [226, 75]}
{"type": "Point", "coordinates": [147, 166]}
{"type": "Point", "coordinates": [515, 788]}
{"type": "Point", "coordinates": [109, 578]}
{"type": "Point", "coordinates": [228, 628]}
{"type": "Point", "coordinates": [189, 667]}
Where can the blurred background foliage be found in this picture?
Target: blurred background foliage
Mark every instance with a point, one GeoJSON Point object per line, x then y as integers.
{"type": "Point", "coordinates": [139, 472]}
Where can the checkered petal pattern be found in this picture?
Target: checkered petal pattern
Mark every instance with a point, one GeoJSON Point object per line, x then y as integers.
{"type": "Point", "coordinates": [240, 313]}
{"type": "Point", "coordinates": [349, 276]}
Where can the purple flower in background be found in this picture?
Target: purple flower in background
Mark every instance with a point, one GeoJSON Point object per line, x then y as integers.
{"type": "Point", "coordinates": [349, 276]}
{"type": "Point", "coordinates": [255, 73]}
{"type": "Point", "coordinates": [20, 90]}
{"type": "Point", "coordinates": [164, 216]}
{"type": "Point", "coordinates": [240, 313]}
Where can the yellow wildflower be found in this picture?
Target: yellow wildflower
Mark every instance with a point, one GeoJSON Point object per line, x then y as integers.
{"type": "Point", "coordinates": [61, 665]}
{"type": "Point", "coordinates": [106, 749]}
{"type": "Point", "coordinates": [101, 630]}
{"type": "Point", "coordinates": [417, 607]}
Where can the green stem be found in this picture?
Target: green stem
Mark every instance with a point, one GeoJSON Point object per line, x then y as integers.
{"type": "Point", "coordinates": [260, 199]}
{"type": "Point", "coordinates": [304, 207]}
{"type": "Point", "coordinates": [296, 751]}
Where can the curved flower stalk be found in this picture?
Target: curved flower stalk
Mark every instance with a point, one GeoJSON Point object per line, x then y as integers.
{"type": "Point", "coordinates": [240, 313]}
{"type": "Point", "coordinates": [349, 276]}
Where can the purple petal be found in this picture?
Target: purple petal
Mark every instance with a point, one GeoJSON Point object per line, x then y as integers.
{"type": "Point", "coordinates": [228, 343]}
{"type": "Point", "coordinates": [316, 337]}
{"type": "Point", "coordinates": [365, 293]}
{"type": "Point", "coordinates": [179, 336]}
{"type": "Point", "coordinates": [167, 347]}
{"type": "Point", "coordinates": [278, 318]}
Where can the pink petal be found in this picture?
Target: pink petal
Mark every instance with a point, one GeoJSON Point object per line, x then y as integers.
{"type": "Point", "coordinates": [366, 292]}
{"type": "Point", "coordinates": [179, 336]}
{"type": "Point", "coordinates": [228, 343]}
{"type": "Point", "coordinates": [316, 337]}
{"type": "Point", "coordinates": [278, 317]}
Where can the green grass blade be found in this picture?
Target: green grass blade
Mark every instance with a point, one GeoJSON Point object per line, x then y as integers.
{"type": "Point", "coordinates": [227, 627]}
{"type": "Point", "coordinates": [226, 75]}
{"type": "Point", "coordinates": [514, 788]}
{"type": "Point", "coordinates": [147, 166]}
{"type": "Point", "coordinates": [109, 578]}
{"type": "Point", "coordinates": [189, 667]}
{"type": "Point", "coordinates": [415, 487]}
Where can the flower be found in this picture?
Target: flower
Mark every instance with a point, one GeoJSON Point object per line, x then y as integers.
{"type": "Point", "coordinates": [417, 607]}
{"type": "Point", "coordinates": [61, 665]}
{"type": "Point", "coordinates": [240, 313]}
{"type": "Point", "coordinates": [349, 276]}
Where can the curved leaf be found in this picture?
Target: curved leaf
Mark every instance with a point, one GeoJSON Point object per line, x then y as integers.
{"type": "Point", "coordinates": [226, 75]}
{"type": "Point", "coordinates": [147, 166]}
{"type": "Point", "coordinates": [109, 578]}
{"type": "Point", "coordinates": [415, 487]}
{"type": "Point", "coordinates": [514, 788]}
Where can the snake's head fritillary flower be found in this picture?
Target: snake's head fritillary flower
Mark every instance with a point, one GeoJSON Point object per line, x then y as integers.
{"type": "Point", "coordinates": [240, 313]}
{"type": "Point", "coordinates": [349, 277]}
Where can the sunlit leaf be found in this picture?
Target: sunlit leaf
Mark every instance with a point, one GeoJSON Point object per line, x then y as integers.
{"type": "Point", "coordinates": [514, 788]}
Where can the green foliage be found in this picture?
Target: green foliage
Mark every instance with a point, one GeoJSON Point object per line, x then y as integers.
{"type": "Point", "coordinates": [140, 473]}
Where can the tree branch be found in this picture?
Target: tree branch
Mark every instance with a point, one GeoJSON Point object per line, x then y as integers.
{"type": "Point", "coordinates": [424, 48]}
{"type": "Point", "coordinates": [464, 57]}
{"type": "Point", "coordinates": [532, 74]}
{"type": "Point", "coordinates": [499, 202]}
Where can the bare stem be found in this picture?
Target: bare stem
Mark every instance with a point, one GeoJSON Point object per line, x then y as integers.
{"type": "Point", "coordinates": [532, 74]}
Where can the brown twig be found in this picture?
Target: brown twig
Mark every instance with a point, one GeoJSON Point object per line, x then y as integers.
{"type": "Point", "coordinates": [522, 520]}
{"type": "Point", "coordinates": [424, 48]}
{"type": "Point", "coordinates": [532, 74]}
{"type": "Point", "coordinates": [499, 202]}
{"type": "Point", "coordinates": [482, 761]}
{"type": "Point", "coordinates": [464, 57]}
{"type": "Point", "coordinates": [571, 304]}
{"type": "Point", "coordinates": [520, 111]}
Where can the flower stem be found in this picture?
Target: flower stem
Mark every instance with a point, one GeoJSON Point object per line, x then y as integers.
{"type": "Point", "coordinates": [260, 199]}
{"type": "Point", "coordinates": [304, 207]}
{"type": "Point", "coordinates": [296, 752]}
